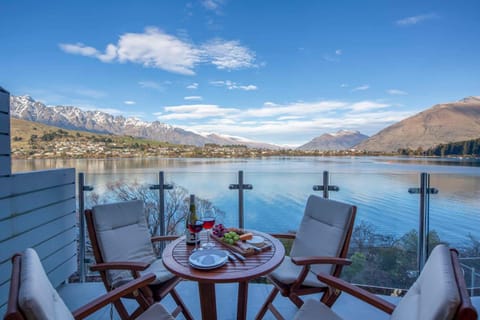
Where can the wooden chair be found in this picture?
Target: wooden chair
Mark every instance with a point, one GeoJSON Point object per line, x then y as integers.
{"type": "Point", "coordinates": [439, 293]}
{"type": "Point", "coordinates": [33, 297]}
{"type": "Point", "coordinates": [319, 246]}
{"type": "Point", "coordinates": [123, 250]}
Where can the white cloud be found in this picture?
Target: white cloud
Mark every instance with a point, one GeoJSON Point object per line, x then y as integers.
{"type": "Point", "coordinates": [193, 98]}
{"type": "Point", "coordinates": [270, 104]}
{"type": "Point", "coordinates": [289, 123]}
{"type": "Point", "coordinates": [338, 52]}
{"type": "Point", "coordinates": [295, 109]}
{"type": "Point", "coordinates": [396, 92]}
{"type": "Point", "coordinates": [289, 118]}
{"type": "Point", "coordinates": [129, 102]}
{"type": "Point", "coordinates": [156, 49]}
{"type": "Point", "coordinates": [194, 111]}
{"type": "Point", "coordinates": [233, 86]}
{"type": "Point", "coordinates": [228, 54]}
{"type": "Point", "coordinates": [361, 88]}
{"type": "Point", "coordinates": [408, 21]}
{"type": "Point", "coordinates": [79, 48]}
{"type": "Point", "coordinates": [153, 85]}
{"type": "Point", "coordinates": [213, 5]}
{"type": "Point", "coordinates": [193, 86]}
{"type": "Point", "coordinates": [344, 85]}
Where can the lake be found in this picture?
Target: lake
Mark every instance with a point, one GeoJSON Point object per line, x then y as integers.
{"type": "Point", "coordinates": [377, 185]}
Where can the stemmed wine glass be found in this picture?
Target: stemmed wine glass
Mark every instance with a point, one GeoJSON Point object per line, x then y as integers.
{"type": "Point", "coordinates": [208, 219]}
{"type": "Point", "coordinates": [195, 227]}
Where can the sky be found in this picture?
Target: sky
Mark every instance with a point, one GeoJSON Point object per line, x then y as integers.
{"type": "Point", "coordinates": [281, 72]}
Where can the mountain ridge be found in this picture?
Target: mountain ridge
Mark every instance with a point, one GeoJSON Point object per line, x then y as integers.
{"type": "Point", "coordinates": [340, 140]}
{"type": "Point", "coordinates": [74, 118]}
{"type": "Point", "coordinates": [440, 124]}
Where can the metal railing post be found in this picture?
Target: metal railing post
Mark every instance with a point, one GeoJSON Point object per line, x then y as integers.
{"type": "Point", "coordinates": [325, 187]}
{"type": "Point", "coordinates": [240, 187]}
{"type": "Point", "coordinates": [423, 228]}
{"type": "Point", "coordinates": [161, 187]}
{"type": "Point", "coordinates": [472, 288]}
{"type": "Point", "coordinates": [81, 216]}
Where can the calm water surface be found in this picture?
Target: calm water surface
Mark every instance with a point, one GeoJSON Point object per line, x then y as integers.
{"type": "Point", "coordinates": [281, 185]}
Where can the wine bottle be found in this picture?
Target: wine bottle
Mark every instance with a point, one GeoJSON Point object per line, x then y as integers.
{"type": "Point", "coordinates": [191, 237]}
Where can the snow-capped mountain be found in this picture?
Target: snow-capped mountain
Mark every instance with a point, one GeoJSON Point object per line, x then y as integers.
{"type": "Point", "coordinates": [223, 139]}
{"type": "Point", "coordinates": [341, 140]}
{"type": "Point", "coordinates": [69, 117]}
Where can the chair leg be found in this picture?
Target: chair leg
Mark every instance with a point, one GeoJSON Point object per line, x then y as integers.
{"type": "Point", "coordinates": [179, 302]}
{"type": "Point", "coordinates": [266, 304]}
{"type": "Point", "coordinates": [122, 312]}
{"type": "Point", "coordinates": [330, 296]}
{"type": "Point", "coordinates": [296, 300]}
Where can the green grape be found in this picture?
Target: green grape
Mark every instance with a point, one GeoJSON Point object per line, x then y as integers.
{"type": "Point", "coordinates": [231, 241]}
{"type": "Point", "coordinates": [236, 237]}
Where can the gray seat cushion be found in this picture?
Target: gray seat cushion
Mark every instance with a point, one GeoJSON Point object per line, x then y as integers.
{"type": "Point", "coordinates": [156, 312]}
{"type": "Point", "coordinates": [123, 235]}
{"type": "Point", "coordinates": [37, 297]}
{"type": "Point", "coordinates": [287, 272]}
{"type": "Point", "coordinates": [313, 310]}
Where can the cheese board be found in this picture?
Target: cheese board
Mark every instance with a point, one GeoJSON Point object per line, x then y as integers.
{"type": "Point", "coordinates": [243, 246]}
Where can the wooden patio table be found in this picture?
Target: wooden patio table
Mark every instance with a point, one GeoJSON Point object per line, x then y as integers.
{"type": "Point", "coordinates": [175, 258]}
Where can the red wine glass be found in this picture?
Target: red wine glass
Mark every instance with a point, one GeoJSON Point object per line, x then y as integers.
{"type": "Point", "coordinates": [208, 218]}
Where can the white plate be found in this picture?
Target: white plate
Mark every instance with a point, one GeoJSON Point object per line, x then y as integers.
{"type": "Point", "coordinates": [256, 241]}
{"type": "Point", "coordinates": [208, 259]}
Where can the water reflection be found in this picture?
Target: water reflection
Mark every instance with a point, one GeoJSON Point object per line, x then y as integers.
{"type": "Point", "coordinates": [281, 185]}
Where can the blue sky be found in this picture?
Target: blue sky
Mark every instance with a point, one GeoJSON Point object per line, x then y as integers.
{"type": "Point", "coordinates": [274, 71]}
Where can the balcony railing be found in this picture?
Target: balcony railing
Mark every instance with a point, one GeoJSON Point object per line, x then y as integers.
{"type": "Point", "coordinates": [400, 217]}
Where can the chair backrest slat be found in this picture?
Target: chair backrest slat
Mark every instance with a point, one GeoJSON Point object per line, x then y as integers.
{"type": "Point", "coordinates": [465, 311]}
{"type": "Point", "coordinates": [13, 311]}
{"type": "Point", "coordinates": [92, 234]}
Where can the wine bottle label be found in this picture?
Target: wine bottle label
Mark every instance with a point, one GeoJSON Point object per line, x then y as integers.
{"type": "Point", "coordinates": [191, 238]}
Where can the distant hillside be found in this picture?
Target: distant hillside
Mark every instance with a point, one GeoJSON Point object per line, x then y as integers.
{"type": "Point", "coordinates": [73, 118]}
{"type": "Point", "coordinates": [23, 132]}
{"type": "Point", "coordinates": [440, 124]}
{"type": "Point", "coordinates": [34, 140]}
{"type": "Point", "coordinates": [341, 140]}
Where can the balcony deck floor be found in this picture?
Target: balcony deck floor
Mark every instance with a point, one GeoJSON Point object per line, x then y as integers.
{"type": "Point", "coordinates": [77, 294]}
{"type": "Point", "coordinates": [348, 307]}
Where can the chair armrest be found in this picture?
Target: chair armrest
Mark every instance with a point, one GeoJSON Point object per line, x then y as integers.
{"type": "Point", "coordinates": [163, 238]}
{"type": "Point", "coordinates": [120, 265]}
{"type": "Point", "coordinates": [357, 292]}
{"type": "Point", "coordinates": [283, 235]}
{"type": "Point", "coordinates": [112, 296]}
{"type": "Point", "coordinates": [302, 261]}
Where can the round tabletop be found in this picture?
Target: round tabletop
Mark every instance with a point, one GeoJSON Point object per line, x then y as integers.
{"type": "Point", "coordinates": [176, 254]}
